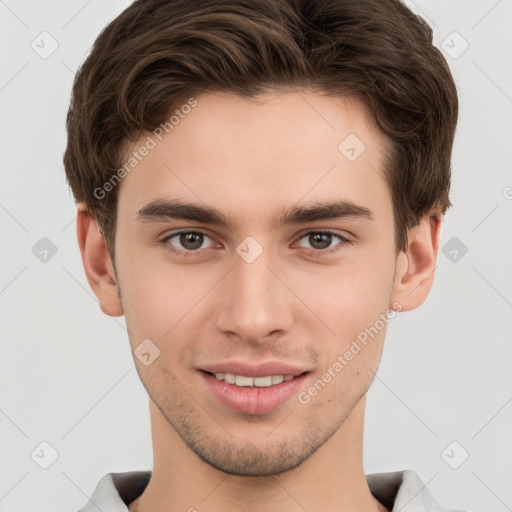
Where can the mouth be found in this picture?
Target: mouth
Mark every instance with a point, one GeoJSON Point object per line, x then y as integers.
{"type": "Point", "coordinates": [253, 395]}
{"type": "Point", "coordinates": [244, 381]}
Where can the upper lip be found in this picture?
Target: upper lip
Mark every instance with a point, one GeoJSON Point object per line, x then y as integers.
{"type": "Point", "coordinates": [254, 370]}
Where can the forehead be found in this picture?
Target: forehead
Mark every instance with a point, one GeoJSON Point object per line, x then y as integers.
{"type": "Point", "coordinates": [256, 155]}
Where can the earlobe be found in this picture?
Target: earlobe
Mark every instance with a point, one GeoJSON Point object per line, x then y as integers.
{"type": "Point", "coordinates": [97, 262]}
{"type": "Point", "coordinates": [415, 268]}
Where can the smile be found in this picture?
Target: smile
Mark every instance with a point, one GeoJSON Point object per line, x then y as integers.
{"type": "Point", "coordinates": [253, 395]}
{"type": "Point", "coordinates": [245, 381]}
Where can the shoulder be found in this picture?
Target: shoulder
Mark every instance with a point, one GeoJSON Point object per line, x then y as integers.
{"type": "Point", "coordinates": [116, 490]}
{"type": "Point", "coordinates": [400, 489]}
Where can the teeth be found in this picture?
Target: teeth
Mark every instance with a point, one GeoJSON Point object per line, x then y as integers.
{"type": "Point", "coordinates": [259, 382]}
{"type": "Point", "coordinates": [229, 378]}
{"type": "Point", "coordinates": [263, 382]}
{"type": "Point", "coordinates": [277, 379]}
{"type": "Point", "coordinates": [240, 380]}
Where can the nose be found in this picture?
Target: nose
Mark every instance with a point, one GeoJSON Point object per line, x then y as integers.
{"type": "Point", "coordinates": [256, 302]}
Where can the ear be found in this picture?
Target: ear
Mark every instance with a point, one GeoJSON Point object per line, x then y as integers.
{"type": "Point", "coordinates": [414, 273]}
{"type": "Point", "coordinates": [97, 262]}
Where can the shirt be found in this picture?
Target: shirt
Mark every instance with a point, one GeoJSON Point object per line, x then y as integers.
{"type": "Point", "coordinates": [399, 491]}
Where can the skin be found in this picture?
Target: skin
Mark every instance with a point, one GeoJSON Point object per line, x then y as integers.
{"type": "Point", "coordinates": [250, 159]}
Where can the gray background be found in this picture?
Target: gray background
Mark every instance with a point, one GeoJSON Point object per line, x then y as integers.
{"type": "Point", "coordinates": [67, 376]}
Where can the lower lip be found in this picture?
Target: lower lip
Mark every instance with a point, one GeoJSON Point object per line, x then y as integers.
{"type": "Point", "coordinates": [253, 400]}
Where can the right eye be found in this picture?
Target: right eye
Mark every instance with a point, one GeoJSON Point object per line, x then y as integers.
{"type": "Point", "coordinates": [186, 243]}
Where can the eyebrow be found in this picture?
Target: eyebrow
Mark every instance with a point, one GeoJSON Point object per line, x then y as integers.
{"type": "Point", "coordinates": [161, 210]}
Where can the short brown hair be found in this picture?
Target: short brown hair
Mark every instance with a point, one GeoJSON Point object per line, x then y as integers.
{"type": "Point", "coordinates": [157, 53]}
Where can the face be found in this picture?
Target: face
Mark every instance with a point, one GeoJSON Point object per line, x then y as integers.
{"type": "Point", "coordinates": [270, 281]}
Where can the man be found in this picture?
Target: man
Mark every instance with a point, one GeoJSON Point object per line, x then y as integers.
{"type": "Point", "coordinates": [260, 189]}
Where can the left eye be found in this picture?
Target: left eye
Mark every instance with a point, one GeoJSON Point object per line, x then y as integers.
{"type": "Point", "coordinates": [321, 240]}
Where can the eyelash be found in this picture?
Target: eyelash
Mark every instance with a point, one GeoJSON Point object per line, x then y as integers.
{"type": "Point", "coordinates": [311, 252]}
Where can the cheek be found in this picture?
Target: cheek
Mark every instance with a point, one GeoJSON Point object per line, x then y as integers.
{"type": "Point", "coordinates": [159, 298]}
{"type": "Point", "coordinates": [352, 297]}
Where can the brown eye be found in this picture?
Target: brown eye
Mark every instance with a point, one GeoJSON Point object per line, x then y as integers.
{"type": "Point", "coordinates": [320, 240]}
{"type": "Point", "coordinates": [186, 242]}
{"type": "Point", "coordinates": [191, 241]}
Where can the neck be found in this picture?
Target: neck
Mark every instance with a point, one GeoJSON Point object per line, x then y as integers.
{"type": "Point", "coordinates": [332, 479]}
